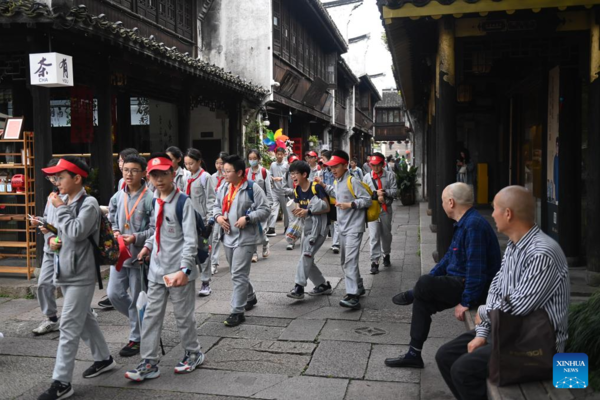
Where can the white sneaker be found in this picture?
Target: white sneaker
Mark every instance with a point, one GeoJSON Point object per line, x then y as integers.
{"type": "Point", "coordinates": [290, 246]}
{"type": "Point", "coordinates": [266, 251]}
{"type": "Point", "coordinates": [205, 290]}
{"type": "Point", "coordinates": [255, 258]}
{"type": "Point", "coordinates": [46, 327]}
{"type": "Point", "coordinates": [213, 268]}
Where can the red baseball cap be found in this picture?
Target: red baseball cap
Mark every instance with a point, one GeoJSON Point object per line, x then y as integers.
{"type": "Point", "coordinates": [292, 158]}
{"type": "Point", "coordinates": [311, 154]}
{"type": "Point", "coordinates": [335, 160]}
{"type": "Point", "coordinates": [160, 164]}
{"type": "Point", "coordinates": [376, 160]}
{"type": "Point", "coordinates": [64, 165]}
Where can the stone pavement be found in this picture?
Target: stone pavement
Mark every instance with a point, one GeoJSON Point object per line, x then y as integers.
{"type": "Point", "coordinates": [286, 349]}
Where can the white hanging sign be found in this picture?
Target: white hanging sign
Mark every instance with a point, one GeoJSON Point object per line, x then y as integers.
{"type": "Point", "coordinates": [51, 69]}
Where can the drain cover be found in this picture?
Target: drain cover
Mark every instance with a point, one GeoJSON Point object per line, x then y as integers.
{"type": "Point", "coordinates": [370, 331]}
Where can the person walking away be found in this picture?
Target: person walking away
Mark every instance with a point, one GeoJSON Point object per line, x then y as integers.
{"type": "Point", "coordinates": [240, 207]}
{"type": "Point", "coordinates": [278, 170]}
{"type": "Point", "coordinates": [129, 214]}
{"type": "Point", "coordinates": [181, 174]}
{"type": "Point", "coordinates": [327, 179]}
{"type": "Point", "coordinates": [77, 219]}
{"type": "Point", "coordinates": [172, 274]}
{"type": "Point", "coordinates": [261, 176]}
{"type": "Point", "coordinates": [384, 187]}
{"type": "Point", "coordinates": [200, 190]}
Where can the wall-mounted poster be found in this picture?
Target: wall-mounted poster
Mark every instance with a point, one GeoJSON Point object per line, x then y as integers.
{"type": "Point", "coordinates": [12, 130]}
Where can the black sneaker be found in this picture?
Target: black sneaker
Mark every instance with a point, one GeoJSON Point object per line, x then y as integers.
{"type": "Point", "coordinates": [361, 290]}
{"type": "Point", "coordinates": [271, 232]}
{"type": "Point", "coordinates": [131, 349]}
{"type": "Point", "coordinates": [405, 362]}
{"type": "Point", "coordinates": [251, 303]}
{"type": "Point", "coordinates": [105, 303]}
{"type": "Point", "coordinates": [335, 249]}
{"type": "Point", "coordinates": [374, 268]}
{"type": "Point", "coordinates": [350, 301]}
{"type": "Point", "coordinates": [100, 367]}
{"type": "Point", "coordinates": [297, 293]}
{"type": "Point", "coordinates": [322, 289]}
{"type": "Point", "coordinates": [401, 300]}
{"type": "Point", "coordinates": [58, 390]}
{"type": "Point", "coordinates": [386, 261]}
{"type": "Point", "coordinates": [234, 320]}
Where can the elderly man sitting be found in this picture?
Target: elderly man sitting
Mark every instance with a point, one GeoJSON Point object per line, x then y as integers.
{"type": "Point", "coordinates": [459, 280]}
{"type": "Point", "coordinates": [534, 275]}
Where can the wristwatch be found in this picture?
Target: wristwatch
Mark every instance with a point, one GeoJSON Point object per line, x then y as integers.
{"type": "Point", "coordinates": [186, 271]}
{"type": "Point", "coordinates": [353, 205]}
{"type": "Point", "coordinates": [247, 219]}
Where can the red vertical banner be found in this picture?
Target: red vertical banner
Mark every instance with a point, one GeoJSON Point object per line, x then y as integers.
{"type": "Point", "coordinates": [82, 114]}
{"type": "Point", "coordinates": [298, 147]}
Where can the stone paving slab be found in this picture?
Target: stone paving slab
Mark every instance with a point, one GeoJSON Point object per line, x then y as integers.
{"type": "Point", "coordinates": [302, 330]}
{"type": "Point", "coordinates": [306, 387]}
{"type": "Point", "coordinates": [334, 312]}
{"type": "Point", "coordinates": [340, 360]}
{"type": "Point", "coordinates": [22, 329]}
{"type": "Point", "coordinates": [245, 331]}
{"type": "Point", "coordinates": [395, 315]}
{"type": "Point", "coordinates": [360, 390]}
{"type": "Point", "coordinates": [16, 307]}
{"type": "Point", "coordinates": [371, 332]}
{"type": "Point", "coordinates": [254, 320]}
{"type": "Point", "coordinates": [17, 374]}
{"type": "Point", "coordinates": [378, 371]}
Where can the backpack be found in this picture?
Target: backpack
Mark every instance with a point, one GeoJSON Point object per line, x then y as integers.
{"type": "Point", "coordinates": [202, 232]}
{"type": "Point", "coordinates": [263, 172]}
{"type": "Point", "coordinates": [375, 209]}
{"type": "Point", "coordinates": [332, 214]}
{"type": "Point", "coordinates": [107, 251]}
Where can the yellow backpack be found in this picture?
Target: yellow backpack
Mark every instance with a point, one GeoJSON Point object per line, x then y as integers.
{"type": "Point", "coordinates": [375, 209]}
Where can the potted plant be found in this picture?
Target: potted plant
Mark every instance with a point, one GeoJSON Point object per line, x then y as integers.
{"type": "Point", "coordinates": [313, 141]}
{"type": "Point", "coordinates": [406, 177]}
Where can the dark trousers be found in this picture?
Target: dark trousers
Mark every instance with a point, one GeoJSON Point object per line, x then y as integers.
{"type": "Point", "coordinates": [465, 373]}
{"type": "Point", "coordinates": [432, 294]}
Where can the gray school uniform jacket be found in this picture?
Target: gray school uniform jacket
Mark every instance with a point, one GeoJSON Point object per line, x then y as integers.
{"type": "Point", "coordinates": [181, 177]}
{"type": "Point", "coordinates": [178, 243]}
{"type": "Point", "coordinates": [289, 185]}
{"type": "Point", "coordinates": [316, 225]}
{"type": "Point", "coordinates": [50, 218]}
{"type": "Point", "coordinates": [278, 171]}
{"type": "Point", "coordinates": [139, 224]}
{"type": "Point", "coordinates": [351, 220]}
{"type": "Point", "coordinates": [388, 182]}
{"type": "Point", "coordinates": [202, 193]}
{"type": "Point", "coordinates": [265, 184]}
{"type": "Point", "coordinates": [317, 171]}
{"type": "Point", "coordinates": [76, 263]}
{"type": "Point", "coordinates": [258, 212]}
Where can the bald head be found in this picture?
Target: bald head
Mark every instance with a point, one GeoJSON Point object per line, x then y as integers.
{"type": "Point", "coordinates": [461, 193]}
{"type": "Point", "coordinates": [519, 200]}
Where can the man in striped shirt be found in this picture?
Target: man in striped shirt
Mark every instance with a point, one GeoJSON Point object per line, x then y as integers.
{"type": "Point", "coordinates": [534, 275]}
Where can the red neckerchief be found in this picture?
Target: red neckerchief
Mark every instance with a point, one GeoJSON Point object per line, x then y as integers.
{"type": "Point", "coordinates": [159, 218]}
{"type": "Point", "coordinates": [378, 178]}
{"type": "Point", "coordinates": [230, 196]}
{"type": "Point", "coordinates": [188, 189]}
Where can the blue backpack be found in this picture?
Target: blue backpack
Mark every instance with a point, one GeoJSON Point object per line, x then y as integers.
{"type": "Point", "coordinates": [202, 232]}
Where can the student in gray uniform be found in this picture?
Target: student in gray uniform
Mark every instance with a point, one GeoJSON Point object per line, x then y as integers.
{"type": "Point", "coordinates": [328, 179]}
{"type": "Point", "coordinates": [311, 158]}
{"type": "Point", "coordinates": [278, 170]}
{"type": "Point", "coordinates": [75, 273]}
{"type": "Point", "coordinates": [240, 207]}
{"type": "Point", "coordinates": [218, 179]}
{"type": "Point", "coordinates": [289, 193]}
{"type": "Point", "coordinates": [313, 206]}
{"type": "Point", "coordinates": [262, 177]}
{"type": "Point", "coordinates": [200, 189]}
{"type": "Point", "coordinates": [172, 274]}
{"type": "Point", "coordinates": [129, 214]}
{"type": "Point", "coordinates": [384, 187]}
{"type": "Point", "coordinates": [46, 291]}
{"type": "Point", "coordinates": [105, 303]}
{"type": "Point", "coordinates": [351, 218]}
{"type": "Point", "coordinates": [181, 174]}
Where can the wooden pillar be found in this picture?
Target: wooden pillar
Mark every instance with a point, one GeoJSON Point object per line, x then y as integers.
{"type": "Point", "coordinates": [431, 159]}
{"type": "Point", "coordinates": [569, 153]}
{"type": "Point", "coordinates": [593, 167]}
{"type": "Point", "coordinates": [103, 147]}
{"type": "Point", "coordinates": [235, 129]}
{"type": "Point", "coordinates": [445, 129]}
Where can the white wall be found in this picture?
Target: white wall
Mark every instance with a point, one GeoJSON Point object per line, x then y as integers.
{"type": "Point", "coordinates": [204, 120]}
{"type": "Point", "coordinates": [237, 36]}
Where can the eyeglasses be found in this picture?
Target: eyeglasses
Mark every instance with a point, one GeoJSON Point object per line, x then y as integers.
{"type": "Point", "coordinates": [133, 171]}
{"type": "Point", "coordinates": [51, 178]}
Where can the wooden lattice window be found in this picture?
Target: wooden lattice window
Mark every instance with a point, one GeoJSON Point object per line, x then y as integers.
{"type": "Point", "coordinates": [293, 43]}
{"type": "Point", "coordinates": [277, 27]}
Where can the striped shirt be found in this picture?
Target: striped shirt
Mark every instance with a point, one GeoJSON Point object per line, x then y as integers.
{"type": "Point", "coordinates": [534, 274]}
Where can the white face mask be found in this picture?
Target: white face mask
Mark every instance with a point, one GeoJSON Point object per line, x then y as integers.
{"type": "Point", "coordinates": [253, 163]}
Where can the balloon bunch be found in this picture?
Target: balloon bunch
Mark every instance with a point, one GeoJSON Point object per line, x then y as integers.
{"type": "Point", "coordinates": [275, 140]}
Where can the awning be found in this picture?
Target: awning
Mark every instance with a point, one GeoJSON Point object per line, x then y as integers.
{"type": "Point", "coordinates": [434, 8]}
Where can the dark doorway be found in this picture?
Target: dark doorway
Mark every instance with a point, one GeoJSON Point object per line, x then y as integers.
{"type": "Point", "coordinates": [210, 151]}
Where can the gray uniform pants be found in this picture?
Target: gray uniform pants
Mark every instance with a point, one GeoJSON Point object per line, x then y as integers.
{"type": "Point", "coordinates": [46, 291]}
{"type": "Point", "coordinates": [77, 322]}
{"type": "Point", "coordinates": [240, 259]}
{"type": "Point", "coordinates": [216, 246]}
{"type": "Point", "coordinates": [380, 236]}
{"type": "Point", "coordinates": [124, 302]}
{"type": "Point", "coordinates": [335, 233]}
{"type": "Point", "coordinates": [205, 274]}
{"type": "Point", "coordinates": [350, 251]}
{"type": "Point", "coordinates": [279, 201]}
{"type": "Point", "coordinates": [307, 269]}
{"type": "Point", "coordinates": [183, 299]}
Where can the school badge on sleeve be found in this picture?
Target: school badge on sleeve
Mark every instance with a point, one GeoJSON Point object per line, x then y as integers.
{"type": "Point", "coordinates": [570, 371]}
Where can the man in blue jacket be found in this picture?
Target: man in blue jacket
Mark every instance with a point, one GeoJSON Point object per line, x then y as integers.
{"type": "Point", "coordinates": [460, 280]}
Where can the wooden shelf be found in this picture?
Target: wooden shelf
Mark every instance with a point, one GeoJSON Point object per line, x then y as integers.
{"type": "Point", "coordinates": [12, 166]}
{"type": "Point", "coordinates": [22, 245]}
{"type": "Point", "coordinates": [12, 194]}
{"type": "Point", "coordinates": [12, 217]}
{"type": "Point", "coordinates": [15, 270]}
